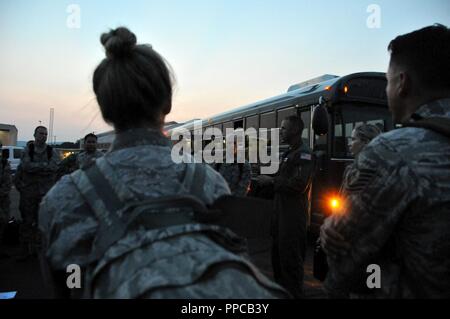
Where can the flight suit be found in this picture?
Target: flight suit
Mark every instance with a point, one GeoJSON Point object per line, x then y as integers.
{"type": "Point", "coordinates": [291, 187]}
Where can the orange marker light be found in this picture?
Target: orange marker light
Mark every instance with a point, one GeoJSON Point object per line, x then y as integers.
{"type": "Point", "coordinates": [335, 204]}
{"type": "Point", "coordinates": [328, 88]}
{"type": "Point", "coordinates": [345, 89]}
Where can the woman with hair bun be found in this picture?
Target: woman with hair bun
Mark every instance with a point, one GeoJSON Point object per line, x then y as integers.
{"type": "Point", "coordinates": [362, 135]}
{"type": "Point", "coordinates": [164, 253]}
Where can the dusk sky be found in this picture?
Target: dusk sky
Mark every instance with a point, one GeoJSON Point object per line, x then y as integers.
{"type": "Point", "coordinates": [224, 54]}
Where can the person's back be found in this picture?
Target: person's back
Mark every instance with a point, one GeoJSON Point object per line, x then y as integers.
{"type": "Point", "coordinates": [421, 158]}
{"type": "Point", "coordinates": [397, 213]}
{"type": "Point", "coordinates": [237, 175]}
{"type": "Point", "coordinates": [182, 259]}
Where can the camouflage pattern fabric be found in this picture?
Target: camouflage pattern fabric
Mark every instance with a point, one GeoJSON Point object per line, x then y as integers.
{"type": "Point", "coordinates": [5, 188]}
{"type": "Point", "coordinates": [37, 176]}
{"type": "Point", "coordinates": [174, 262]}
{"type": "Point", "coordinates": [397, 214]}
{"type": "Point", "coordinates": [237, 175]}
{"type": "Point", "coordinates": [67, 166]}
{"type": "Point", "coordinates": [85, 158]}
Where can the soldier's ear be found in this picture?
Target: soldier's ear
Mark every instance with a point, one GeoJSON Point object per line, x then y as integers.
{"type": "Point", "coordinates": [403, 84]}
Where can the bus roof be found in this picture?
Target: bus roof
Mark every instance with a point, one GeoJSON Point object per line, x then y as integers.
{"type": "Point", "coordinates": [307, 89]}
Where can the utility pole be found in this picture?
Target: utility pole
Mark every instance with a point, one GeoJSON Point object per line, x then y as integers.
{"type": "Point", "coordinates": [52, 118]}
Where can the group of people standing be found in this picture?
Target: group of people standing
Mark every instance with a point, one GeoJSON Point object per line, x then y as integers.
{"type": "Point", "coordinates": [36, 174]}
{"type": "Point", "coordinates": [396, 211]}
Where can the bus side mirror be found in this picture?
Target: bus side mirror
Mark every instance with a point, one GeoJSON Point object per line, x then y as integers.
{"type": "Point", "coordinates": [320, 118]}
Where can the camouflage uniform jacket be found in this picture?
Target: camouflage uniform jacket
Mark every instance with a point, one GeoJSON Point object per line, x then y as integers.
{"type": "Point", "coordinates": [5, 177]}
{"type": "Point", "coordinates": [67, 166]}
{"type": "Point", "coordinates": [397, 214]}
{"type": "Point", "coordinates": [39, 172]}
{"type": "Point", "coordinates": [174, 256]}
{"type": "Point", "coordinates": [237, 175]}
{"type": "Point", "coordinates": [5, 188]}
{"type": "Point", "coordinates": [85, 158]}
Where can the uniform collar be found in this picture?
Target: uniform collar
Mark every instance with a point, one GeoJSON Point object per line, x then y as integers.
{"type": "Point", "coordinates": [296, 145]}
{"type": "Point", "coordinates": [437, 108]}
{"type": "Point", "coordinates": [139, 136]}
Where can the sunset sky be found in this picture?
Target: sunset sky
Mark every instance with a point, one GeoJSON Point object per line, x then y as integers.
{"type": "Point", "coordinates": [224, 54]}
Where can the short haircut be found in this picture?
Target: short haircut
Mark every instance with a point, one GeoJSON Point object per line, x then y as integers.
{"type": "Point", "coordinates": [296, 121]}
{"type": "Point", "coordinates": [39, 127]}
{"type": "Point", "coordinates": [90, 135]}
{"type": "Point", "coordinates": [425, 52]}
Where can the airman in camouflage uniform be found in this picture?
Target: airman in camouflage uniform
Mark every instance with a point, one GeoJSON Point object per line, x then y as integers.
{"type": "Point", "coordinates": [67, 166]}
{"type": "Point", "coordinates": [183, 261]}
{"type": "Point", "coordinates": [38, 168]}
{"type": "Point", "coordinates": [237, 175]}
{"type": "Point", "coordinates": [90, 152]}
{"type": "Point", "coordinates": [5, 188]}
{"type": "Point", "coordinates": [168, 252]}
{"type": "Point", "coordinates": [397, 213]}
{"type": "Point", "coordinates": [86, 158]}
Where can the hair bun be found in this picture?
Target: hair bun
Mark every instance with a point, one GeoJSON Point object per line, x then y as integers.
{"type": "Point", "coordinates": [118, 43]}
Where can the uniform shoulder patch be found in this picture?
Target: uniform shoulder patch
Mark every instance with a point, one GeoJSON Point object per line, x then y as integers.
{"type": "Point", "coordinates": [305, 156]}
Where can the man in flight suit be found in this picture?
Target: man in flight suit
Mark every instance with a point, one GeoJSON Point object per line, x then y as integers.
{"type": "Point", "coordinates": [291, 187]}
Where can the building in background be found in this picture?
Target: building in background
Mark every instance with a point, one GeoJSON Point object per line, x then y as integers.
{"type": "Point", "coordinates": [8, 134]}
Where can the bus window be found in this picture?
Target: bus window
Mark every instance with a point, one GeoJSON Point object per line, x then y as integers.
{"type": "Point", "coordinates": [227, 125]}
{"type": "Point", "coordinates": [238, 124]}
{"type": "Point", "coordinates": [306, 118]}
{"type": "Point", "coordinates": [347, 117]}
{"type": "Point", "coordinates": [252, 121]}
{"type": "Point", "coordinates": [219, 126]}
{"type": "Point", "coordinates": [282, 114]}
{"type": "Point", "coordinates": [268, 120]}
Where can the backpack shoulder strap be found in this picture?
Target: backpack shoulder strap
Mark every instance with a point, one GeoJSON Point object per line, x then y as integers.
{"type": "Point", "coordinates": [109, 197]}
{"type": "Point", "coordinates": [439, 125]}
{"type": "Point", "coordinates": [49, 150]}
{"type": "Point", "coordinates": [105, 203]}
{"type": "Point", "coordinates": [31, 151]}
{"type": "Point", "coordinates": [194, 179]}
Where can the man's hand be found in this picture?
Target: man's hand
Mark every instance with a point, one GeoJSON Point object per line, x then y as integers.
{"type": "Point", "coordinates": [333, 243]}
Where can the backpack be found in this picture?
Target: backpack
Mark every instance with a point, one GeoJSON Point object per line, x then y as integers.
{"type": "Point", "coordinates": [153, 214]}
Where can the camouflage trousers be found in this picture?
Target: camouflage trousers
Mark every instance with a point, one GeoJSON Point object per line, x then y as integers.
{"type": "Point", "coordinates": [29, 210]}
{"type": "Point", "coordinates": [4, 212]}
{"type": "Point", "coordinates": [5, 203]}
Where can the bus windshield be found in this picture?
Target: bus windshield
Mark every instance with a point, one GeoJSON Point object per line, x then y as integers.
{"type": "Point", "coordinates": [349, 116]}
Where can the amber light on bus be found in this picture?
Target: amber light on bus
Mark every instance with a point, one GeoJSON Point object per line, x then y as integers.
{"type": "Point", "coordinates": [335, 204]}
{"type": "Point", "coordinates": [345, 89]}
{"type": "Point", "coordinates": [328, 88]}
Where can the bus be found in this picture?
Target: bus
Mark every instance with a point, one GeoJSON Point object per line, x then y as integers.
{"type": "Point", "coordinates": [330, 106]}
